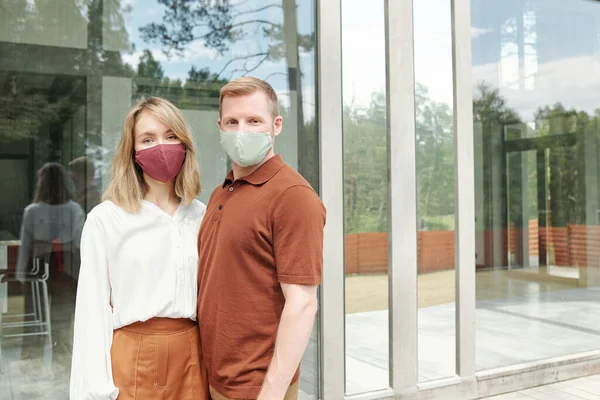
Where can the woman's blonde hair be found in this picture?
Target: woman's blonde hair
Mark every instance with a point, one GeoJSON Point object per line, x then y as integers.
{"type": "Point", "coordinates": [127, 187]}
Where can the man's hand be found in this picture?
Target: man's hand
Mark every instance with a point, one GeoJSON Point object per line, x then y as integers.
{"type": "Point", "coordinates": [294, 331]}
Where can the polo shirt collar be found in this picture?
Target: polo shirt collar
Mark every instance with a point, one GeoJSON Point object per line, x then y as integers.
{"type": "Point", "coordinates": [262, 174]}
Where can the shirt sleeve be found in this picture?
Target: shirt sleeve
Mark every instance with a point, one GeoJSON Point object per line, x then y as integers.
{"type": "Point", "coordinates": [298, 222]}
{"type": "Point", "coordinates": [91, 371]}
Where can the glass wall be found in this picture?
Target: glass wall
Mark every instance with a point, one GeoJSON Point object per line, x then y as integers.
{"type": "Point", "coordinates": [69, 71]}
{"type": "Point", "coordinates": [435, 190]}
{"type": "Point", "coordinates": [536, 75]}
{"type": "Point", "coordinates": [365, 197]}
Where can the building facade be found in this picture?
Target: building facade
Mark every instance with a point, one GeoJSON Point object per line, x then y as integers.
{"type": "Point", "coordinates": [455, 145]}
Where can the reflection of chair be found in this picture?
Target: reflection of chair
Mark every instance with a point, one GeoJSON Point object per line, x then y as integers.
{"type": "Point", "coordinates": [36, 277]}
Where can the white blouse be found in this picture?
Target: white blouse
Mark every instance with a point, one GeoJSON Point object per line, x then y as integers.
{"type": "Point", "coordinates": [144, 265]}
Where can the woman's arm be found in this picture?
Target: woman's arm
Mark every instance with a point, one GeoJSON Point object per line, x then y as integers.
{"type": "Point", "coordinates": [91, 371]}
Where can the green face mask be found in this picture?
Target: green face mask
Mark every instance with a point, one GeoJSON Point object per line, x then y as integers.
{"type": "Point", "coordinates": [246, 148]}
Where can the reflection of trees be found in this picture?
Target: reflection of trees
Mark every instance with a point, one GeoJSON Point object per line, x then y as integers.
{"type": "Point", "coordinates": [566, 164]}
{"type": "Point", "coordinates": [435, 159]}
{"type": "Point", "coordinates": [219, 25]}
{"type": "Point", "coordinates": [558, 132]}
{"type": "Point", "coordinates": [25, 107]}
{"type": "Point", "coordinates": [148, 67]}
{"type": "Point", "coordinates": [490, 116]}
{"type": "Point", "coordinates": [365, 167]}
{"type": "Point", "coordinates": [22, 114]}
{"type": "Point", "coordinates": [200, 91]}
{"type": "Point", "coordinates": [36, 17]}
{"type": "Point", "coordinates": [365, 163]}
{"type": "Point", "coordinates": [490, 109]}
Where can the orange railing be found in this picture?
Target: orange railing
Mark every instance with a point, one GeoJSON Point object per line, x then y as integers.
{"type": "Point", "coordinates": [366, 253]}
{"type": "Point", "coordinates": [574, 245]}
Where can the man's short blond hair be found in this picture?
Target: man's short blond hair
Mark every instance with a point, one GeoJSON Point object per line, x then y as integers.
{"type": "Point", "coordinates": [249, 85]}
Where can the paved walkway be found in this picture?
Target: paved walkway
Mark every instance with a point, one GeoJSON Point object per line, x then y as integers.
{"type": "Point", "coordinates": [509, 331]}
{"type": "Point", "coordinates": [576, 389]}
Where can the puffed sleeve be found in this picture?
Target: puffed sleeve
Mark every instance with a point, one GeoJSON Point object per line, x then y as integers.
{"type": "Point", "coordinates": [91, 371]}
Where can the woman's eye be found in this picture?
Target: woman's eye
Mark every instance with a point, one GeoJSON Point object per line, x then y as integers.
{"type": "Point", "coordinates": [147, 140]}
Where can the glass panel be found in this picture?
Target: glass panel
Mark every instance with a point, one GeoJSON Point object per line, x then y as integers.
{"type": "Point", "coordinates": [365, 197]}
{"type": "Point", "coordinates": [522, 204]}
{"type": "Point", "coordinates": [435, 189]}
{"type": "Point", "coordinates": [61, 23]}
{"type": "Point", "coordinates": [536, 164]}
{"type": "Point", "coordinates": [70, 70]}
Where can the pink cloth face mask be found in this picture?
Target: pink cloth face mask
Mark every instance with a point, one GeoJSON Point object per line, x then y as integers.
{"type": "Point", "coordinates": [161, 162]}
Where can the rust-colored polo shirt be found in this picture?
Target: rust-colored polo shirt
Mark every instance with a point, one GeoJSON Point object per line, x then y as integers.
{"type": "Point", "coordinates": [258, 232]}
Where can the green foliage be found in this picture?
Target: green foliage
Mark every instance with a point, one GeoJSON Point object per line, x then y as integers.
{"type": "Point", "coordinates": [365, 167]}
{"type": "Point", "coordinates": [148, 67]}
{"type": "Point", "coordinates": [435, 159]}
{"type": "Point", "coordinates": [218, 25]}
{"type": "Point", "coordinates": [365, 164]}
{"type": "Point", "coordinates": [566, 165]}
{"type": "Point", "coordinates": [200, 90]}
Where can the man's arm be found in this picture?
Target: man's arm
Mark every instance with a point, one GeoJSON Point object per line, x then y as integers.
{"type": "Point", "coordinates": [298, 222]}
{"type": "Point", "coordinates": [294, 331]}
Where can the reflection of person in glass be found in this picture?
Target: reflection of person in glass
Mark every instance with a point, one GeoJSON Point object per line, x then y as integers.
{"type": "Point", "coordinates": [52, 218]}
{"type": "Point", "coordinates": [135, 331]}
{"type": "Point", "coordinates": [260, 250]}
{"type": "Point", "coordinates": [87, 192]}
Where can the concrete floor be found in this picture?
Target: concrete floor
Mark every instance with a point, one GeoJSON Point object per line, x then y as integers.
{"type": "Point", "coordinates": [521, 316]}
{"type": "Point", "coordinates": [577, 389]}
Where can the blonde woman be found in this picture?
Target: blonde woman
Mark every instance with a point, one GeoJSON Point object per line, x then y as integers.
{"type": "Point", "coordinates": [135, 332]}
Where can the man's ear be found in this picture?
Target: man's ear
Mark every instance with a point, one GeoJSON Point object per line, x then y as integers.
{"type": "Point", "coordinates": [277, 125]}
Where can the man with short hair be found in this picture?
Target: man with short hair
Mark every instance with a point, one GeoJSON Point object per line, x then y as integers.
{"type": "Point", "coordinates": [260, 256]}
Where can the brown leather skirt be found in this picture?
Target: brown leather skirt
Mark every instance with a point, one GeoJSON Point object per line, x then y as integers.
{"type": "Point", "coordinates": [159, 359]}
